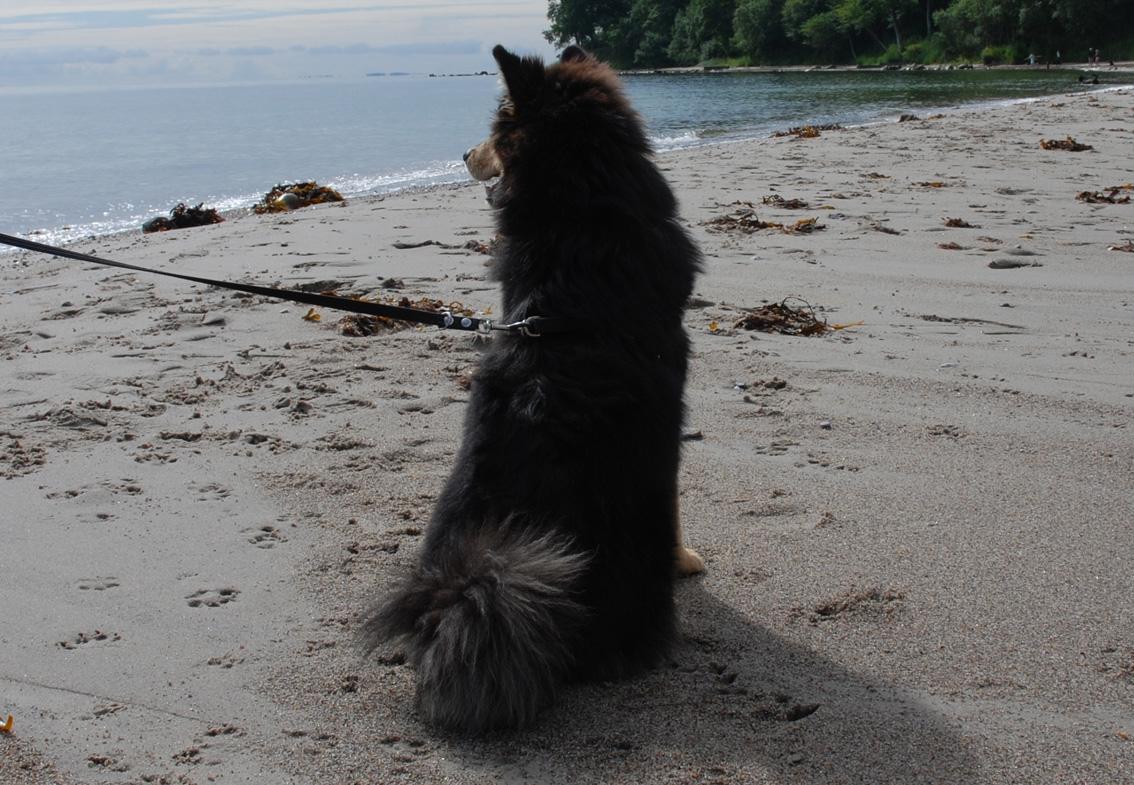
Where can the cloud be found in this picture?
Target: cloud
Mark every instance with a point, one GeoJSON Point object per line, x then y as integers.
{"type": "Point", "coordinates": [235, 51]}
{"type": "Point", "coordinates": [424, 48]}
{"type": "Point", "coordinates": [33, 21]}
{"type": "Point", "coordinates": [131, 41]}
{"type": "Point", "coordinates": [33, 58]}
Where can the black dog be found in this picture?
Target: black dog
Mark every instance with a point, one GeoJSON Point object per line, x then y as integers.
{"type": "Point", "coordinates": [552, 551]}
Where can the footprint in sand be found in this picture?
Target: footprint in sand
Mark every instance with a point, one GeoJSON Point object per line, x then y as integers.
{"type": "Point", "coordinates": [107, 709]}
{"type": "Point", "coordinates": [211, 491]}
{"type": "Point", "coordinates": [88, 637]}
{"type": "Point", "coordinates": [212, 598]}
{"type": "Point", "coordinates": [127, 486]}
{"type": "Point", "coordinates": [265, 536]}
{"type": "Point", "coordinates": [228, 660]}
{"type": "Point", "coordinates": [18, 458]}
{"type": "Point", "coordinates": [774, 706]}
{"type": "Point", "coordinates": [100, 583]}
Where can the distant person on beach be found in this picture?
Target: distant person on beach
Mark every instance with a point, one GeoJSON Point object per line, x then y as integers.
{"type": "Point", "coordinates": [1031, 59]}
{"type": "Point", "coordinates": [1058, 57]}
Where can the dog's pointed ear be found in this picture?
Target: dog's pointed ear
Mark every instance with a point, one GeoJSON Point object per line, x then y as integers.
{"type": "Point", "coordinates": [523, 76]}
{"type": "Point", "coordinates": [573, 54]}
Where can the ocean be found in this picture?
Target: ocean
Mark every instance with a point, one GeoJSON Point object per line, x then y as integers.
{"type": "Point", "coordinates": [94, 162]}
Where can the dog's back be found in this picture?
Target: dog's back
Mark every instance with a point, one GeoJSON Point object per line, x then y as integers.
{"type": "Point", "coordinates": [550, 555]}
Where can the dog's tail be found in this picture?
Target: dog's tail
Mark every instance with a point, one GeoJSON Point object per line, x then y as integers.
{"type": "Point", "coordinates": [490, 629]}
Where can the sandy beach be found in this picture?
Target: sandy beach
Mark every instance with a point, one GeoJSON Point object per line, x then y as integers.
{"type": "Point", "coordinates": [918, 528]}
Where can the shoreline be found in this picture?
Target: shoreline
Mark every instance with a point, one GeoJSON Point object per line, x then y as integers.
{"type": "Point", "coordinates": [1125, 66]}
{"type": "Point", "coordinates": [728, 138]}
{"type": "Point", "coordinates": [916, 528]}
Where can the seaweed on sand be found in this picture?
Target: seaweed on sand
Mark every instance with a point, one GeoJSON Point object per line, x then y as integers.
{"type": "Point", "coordinates": [1068, 144]}
{"type": "Point", "coordinates": [182, 217]}
{"type": "Point", "coordinates": [1107, 196]}
{"type": "Point", "coordinates": [745, 220]}
{"type": "Point", "coordinates": [292, 196]}
{"type": "Point", "coordinates": [808, 131]}
{"type": "Point", "coordinates": [775, 200]}
{"type": "Point", "coordinates": [786, 319]}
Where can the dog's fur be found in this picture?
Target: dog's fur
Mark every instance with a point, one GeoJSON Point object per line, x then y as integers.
{"type": "Point", "coordinates": [552, 551]}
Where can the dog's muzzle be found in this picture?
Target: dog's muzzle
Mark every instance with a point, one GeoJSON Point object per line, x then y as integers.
{"type": "Point", "coordinates": [484, 165]}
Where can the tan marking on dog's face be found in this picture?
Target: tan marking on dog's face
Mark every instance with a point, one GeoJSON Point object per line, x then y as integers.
{"type": "Point", "coordinates": [482, 161]}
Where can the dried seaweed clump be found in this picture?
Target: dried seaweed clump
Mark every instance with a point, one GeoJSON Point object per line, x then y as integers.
{"type": "Point", "coordinates": [292, 196]}
{"type": "Point", "coordinates": [959, 223]}
{"type": "Point", "coordinates": [775, 200]}
{"type": "Point", "coordinates": [784, 319]}
{"type": "Point", "coordinates": [808, 131]}
{"type": "Point", "coordinates": [182, 217]}
{"type": "Point", "coordinates": [1107, 196]}
{"type": "Point", "coordinates": [742, 220]}
{"type": "Point", "coordinates": [745, 220]}
{"type": "Point", "coordinates": [802, 226]}
{"type": "Point", "coordinates": [1068, 144]}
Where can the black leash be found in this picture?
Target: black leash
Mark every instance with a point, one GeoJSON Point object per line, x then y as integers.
{"type": "Point", "coordinates": [531, 327]}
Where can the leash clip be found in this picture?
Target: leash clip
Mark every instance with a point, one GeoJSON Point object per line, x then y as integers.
{"type": "Point", "coordinates": [529, 327]}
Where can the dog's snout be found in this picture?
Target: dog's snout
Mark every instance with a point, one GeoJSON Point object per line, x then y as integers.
{"type": "Point", "coordinates": [467, 154]}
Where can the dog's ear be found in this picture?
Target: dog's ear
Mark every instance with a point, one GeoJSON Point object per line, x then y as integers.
{"type": "Point", "coordinates": [573, 54]}
{"type": "Point", "coordinates": [523, 76]}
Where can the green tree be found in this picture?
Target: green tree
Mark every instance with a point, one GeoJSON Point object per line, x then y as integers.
{"type": "Point", "coordinates": [757, 29]}
{"type": "Point", "coordinates": [585, 22]}
{"type": "Point", "coordinates": [645, 33]}
{"type": "Point", "coordinates": [812, 23]}
{"type": "Point", "coordinates": [873, 17]}
{"type": "Point", "coordinates": [824, 32]}
{"type": "Point", "coordinates": [702, 30]}
{"type": "Point", "coordinates": [968, 25]}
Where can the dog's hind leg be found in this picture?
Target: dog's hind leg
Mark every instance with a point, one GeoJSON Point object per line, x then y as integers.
{"type": "Point", "coordinates": [688, 561]}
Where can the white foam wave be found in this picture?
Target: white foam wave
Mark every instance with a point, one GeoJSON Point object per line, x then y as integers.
{"type": "Point", "coordinates": [433, 173]}
{"type": "Point", "coordinates": [676, 142]}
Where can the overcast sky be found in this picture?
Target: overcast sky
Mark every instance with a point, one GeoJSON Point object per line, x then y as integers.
{"type": "Point", "coordinates": [110, 42]}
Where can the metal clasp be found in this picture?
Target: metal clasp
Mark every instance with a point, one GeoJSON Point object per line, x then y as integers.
{"type": "Point", "coordinates": [524, 327]}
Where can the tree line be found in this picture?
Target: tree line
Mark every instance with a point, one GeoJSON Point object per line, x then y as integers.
{"type": "Point", "coordinates": [658, 33]}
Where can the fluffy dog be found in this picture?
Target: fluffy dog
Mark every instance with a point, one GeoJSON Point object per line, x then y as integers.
{"type": "Point", "coordinates": [552, 551]}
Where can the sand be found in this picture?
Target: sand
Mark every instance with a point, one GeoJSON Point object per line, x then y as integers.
{"type": "Point", "coordinates": [917, 529]}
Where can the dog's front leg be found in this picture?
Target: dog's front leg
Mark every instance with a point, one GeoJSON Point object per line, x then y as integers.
{"type": "Point", "coordinates": [688, 561]}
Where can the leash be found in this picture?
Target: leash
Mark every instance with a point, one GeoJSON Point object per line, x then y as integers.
{"type": "Point", "coordinates": [531, 327]}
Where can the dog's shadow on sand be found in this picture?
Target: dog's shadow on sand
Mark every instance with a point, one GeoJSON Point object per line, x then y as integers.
{"type": "Point", "coordinates": [735, 703]}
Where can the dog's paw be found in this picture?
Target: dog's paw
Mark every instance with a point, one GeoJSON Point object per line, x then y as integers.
{"type": "Point", "coordinates": [689, 562]}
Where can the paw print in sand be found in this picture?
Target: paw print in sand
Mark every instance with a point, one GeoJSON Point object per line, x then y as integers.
{"type": "Point", "coordinates": [265, 536]}
{"type": "Point", "coordinates": [211, 598]}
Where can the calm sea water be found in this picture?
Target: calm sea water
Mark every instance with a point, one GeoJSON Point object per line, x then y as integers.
{"type": "Point", "coordinates": [76, 164]}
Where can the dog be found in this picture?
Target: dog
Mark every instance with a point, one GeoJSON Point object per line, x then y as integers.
{"type": "Point", "coordinates": [553, 548]}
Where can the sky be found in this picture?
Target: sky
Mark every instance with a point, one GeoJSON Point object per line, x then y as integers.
{"type": "Point", "coordinates": [89, 43]}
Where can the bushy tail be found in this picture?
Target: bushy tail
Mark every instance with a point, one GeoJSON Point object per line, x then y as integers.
{"type": "Point", "coordinates": [489, 629]}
